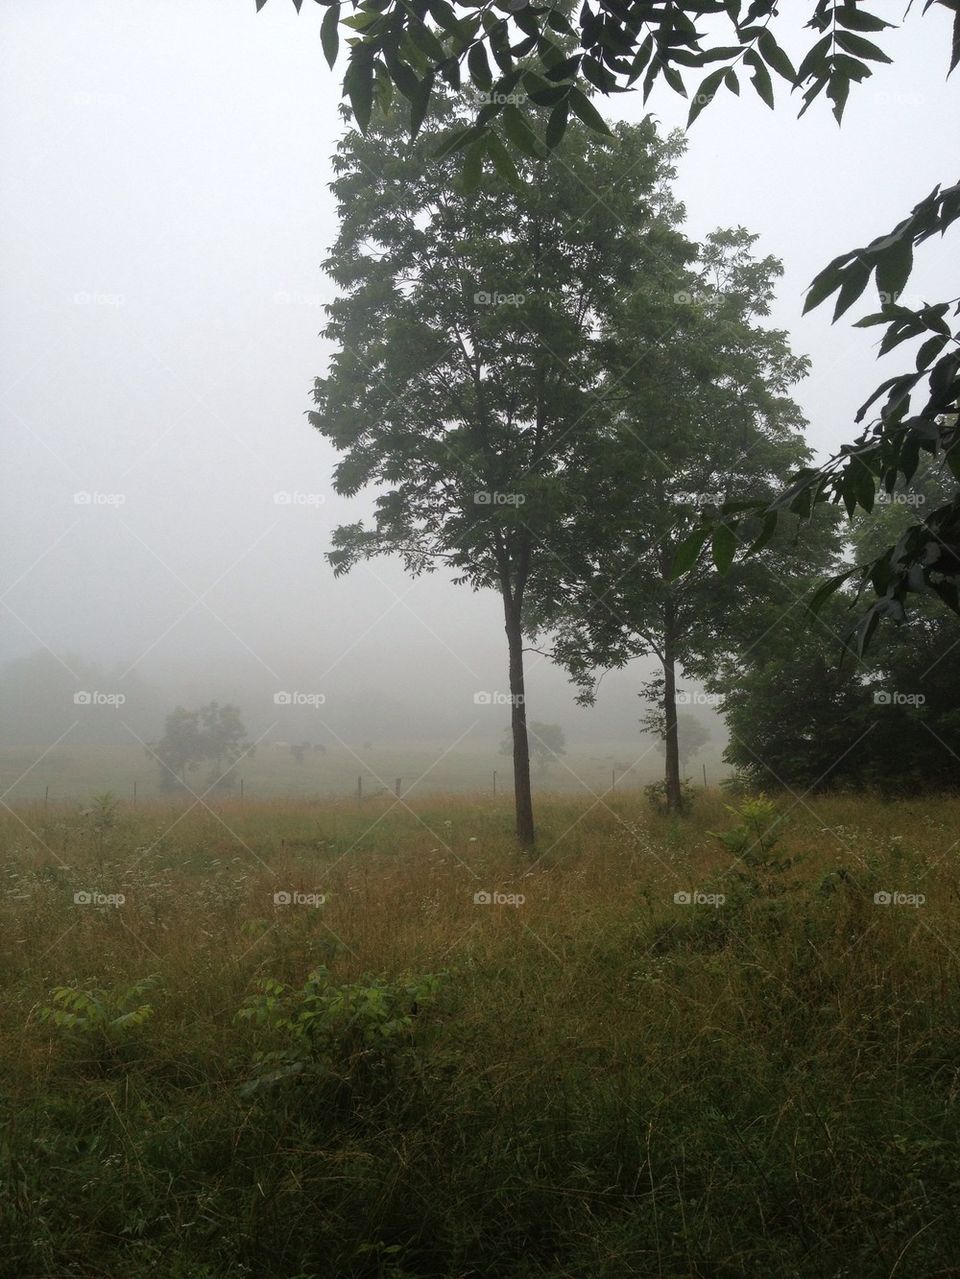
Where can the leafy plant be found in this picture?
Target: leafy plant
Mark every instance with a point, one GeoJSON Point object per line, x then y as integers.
{"type": "Point", "coordinates": [101, 1018]}
{"type": "Point", "coordinates": [336, 1030]}
{"type": "Point", "coordinates": [102, 814]}
{"type": "Point", "coordinates": [754, 840]}
{"type": "Point", "coordinates": [658, 798]}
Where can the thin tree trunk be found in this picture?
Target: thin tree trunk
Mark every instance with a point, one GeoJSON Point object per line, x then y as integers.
{"type": "Point", "coordinates": [518, 725]}
{"type": "Point", "coordinates": [674, 795]}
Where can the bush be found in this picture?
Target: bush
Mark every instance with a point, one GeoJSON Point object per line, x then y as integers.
{"type": "Point", "coordinates": [336, 1031]}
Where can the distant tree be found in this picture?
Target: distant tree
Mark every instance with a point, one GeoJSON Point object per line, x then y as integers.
{"type": "Point", "coordinates": [222, 734]}
{"type": "Point", "coordinates": [692, 733]}
{"type": "Point", "coordinates": [180, 748]}
{"type": "Point", "coordinates": [211, 733]}
{"type": "Point", "coordinates": [547, 743]}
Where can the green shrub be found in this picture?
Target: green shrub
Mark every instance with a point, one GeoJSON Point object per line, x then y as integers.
{"type": "Point", "coordinates": [336, 1031]}
{"type": "Point", "coordinates": [103, 1020]}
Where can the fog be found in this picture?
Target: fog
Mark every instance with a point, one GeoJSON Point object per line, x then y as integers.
{"type": "Point", "coordinates": [166, 211]}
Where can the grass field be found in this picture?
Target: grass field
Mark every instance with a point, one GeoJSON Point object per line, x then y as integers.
{"type": "Point", "coordinates": [424, 768]}
{"type": "Point", "coordinates": [596, 1080]}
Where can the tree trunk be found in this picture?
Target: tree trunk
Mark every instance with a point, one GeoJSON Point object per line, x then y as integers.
{"type": "Point", "coordinates": [674, 795]}
{"type": "Point", "coordinates": [518, 725]}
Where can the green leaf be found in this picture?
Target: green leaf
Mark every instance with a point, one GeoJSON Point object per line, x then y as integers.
{"type": "Point", "coordinates": [861, 48]}
{"type": "Point", "coordinates": [724, 546]}
{"type": "Point", "coordinates": [358, 86]}
{"type": "Point", "coordinates": [856, 280]}
{"type": "Point", "coordinates": [775, 57]}
{"type": "Point", "coordinates": [761, 77]}
{"type": "Point", "coordinates": [705, 93]}
{"type": "Point", "coordinates": [330, 34]}
{"type": "Point", "coordinates": [854, 19]}
{"type": "Point", "coordinates": [828, 588]}
{"type": "Point", "coordinates": [815, 64]}
{"type": "Point", "coordinates": [557, 124]}
{"type": "Point", "coordinates": [479, 67]}
{"type": "Point", "coordinates": [829, 279]}
{"type": "Point", "coordinates": [930, 350]}
{"type": "Point", "coordinates": [588, 113]}
{"type": "Point", "coordinates": [893, 268]}
{"type": "Point", "coordinates": [519, 132]}
{"type": "Point", "coordinates": [688, 551]}
{"type": "Point", "coordinates": [502, 161]}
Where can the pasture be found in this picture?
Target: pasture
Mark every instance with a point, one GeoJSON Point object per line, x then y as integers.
{"type": "Point", "coordinates": [314, 1038]}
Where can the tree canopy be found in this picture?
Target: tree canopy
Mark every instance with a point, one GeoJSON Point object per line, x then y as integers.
{"type": "Point", "coordinates": [537, 67]}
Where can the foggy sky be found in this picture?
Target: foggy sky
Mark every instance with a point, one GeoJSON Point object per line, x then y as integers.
{"type": "Point", "coordinates": [166, 211]}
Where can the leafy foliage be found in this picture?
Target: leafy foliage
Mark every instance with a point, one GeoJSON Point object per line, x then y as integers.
{"type": "Point", "coordinates": [534, 68]}
{"type": "Point", "coordinates": [336, 1030]}
{"type": "Point", "coordinates": [213, 733]}
{"type": "Point", "coordinates": [102, 1019]}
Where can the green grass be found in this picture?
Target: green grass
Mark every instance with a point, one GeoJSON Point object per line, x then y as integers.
{"type": "Point", "coordinates": [427, 768]}
{"type": "Point", "coordinates": [606, 1083]}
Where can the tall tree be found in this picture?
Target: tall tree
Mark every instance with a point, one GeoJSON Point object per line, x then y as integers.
{"type": "Point", "coordinates": [469, 382]}
{"type": "Point", "coordinates": [703, 419]}
{"type": "Point", "coordinates": [524, 58]}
